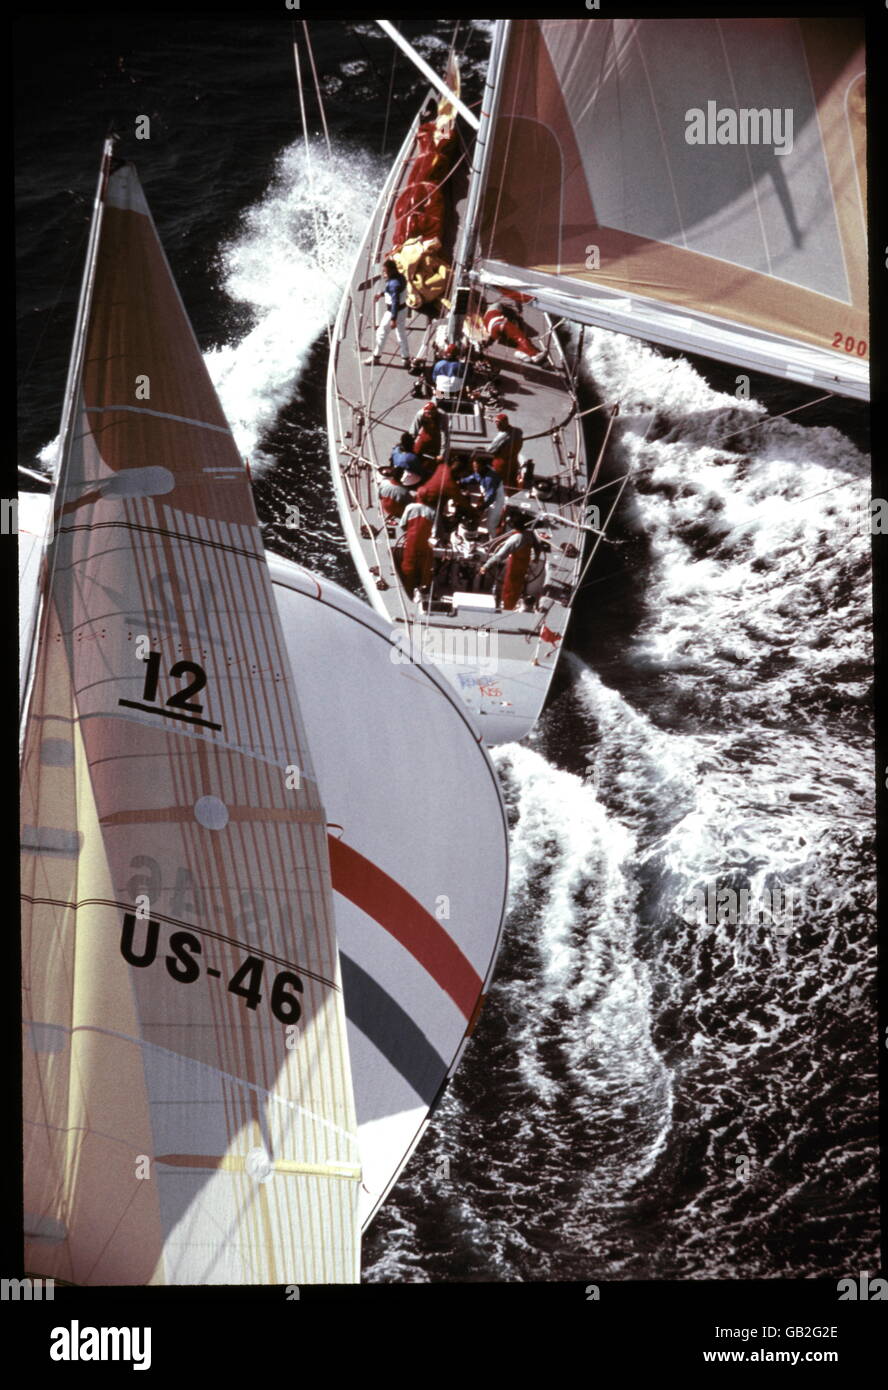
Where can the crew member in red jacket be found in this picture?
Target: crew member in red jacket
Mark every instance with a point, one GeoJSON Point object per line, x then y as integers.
{"type": "Point", "coordinates": [431, 430]}
{"type": "Point", "coordinates": [393, 495]}
{"type": "Point", "coordinates": [440, 488]}
{"type": "Point", "coordinates": [503, 325]}
{"type": "Point", "coordinates": [516, 549]}
{"type": "Point", "coordinates": [416, 562]}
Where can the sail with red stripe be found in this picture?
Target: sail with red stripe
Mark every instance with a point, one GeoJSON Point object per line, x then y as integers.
{"type": "Point", "coordinates": [188, 1105]}
{"type": "Point", "coordinates": [418, 855]}
{"type": "Point", "coordinates": [419, 893]}
{"type": "Point", "coordinates": [699, 183]}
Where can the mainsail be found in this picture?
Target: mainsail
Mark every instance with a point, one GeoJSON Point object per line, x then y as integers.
{"type": "Point", "coordinates": [188, 1107]}
{"type": "Point", "coordinates": [698, 183]}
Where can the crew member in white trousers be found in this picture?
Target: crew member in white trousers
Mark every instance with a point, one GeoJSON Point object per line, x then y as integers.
{"type": "Point", "coordinates": [393, 317]}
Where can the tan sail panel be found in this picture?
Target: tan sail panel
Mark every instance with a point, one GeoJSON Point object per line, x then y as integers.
{"type": "Point", "coordinates": [698, 183]}
{"type": "Point", "coordinates": [181, 972]}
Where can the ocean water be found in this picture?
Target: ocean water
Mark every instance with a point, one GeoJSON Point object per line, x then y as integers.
{"type": "Point", "coordinates": [659, 1086]}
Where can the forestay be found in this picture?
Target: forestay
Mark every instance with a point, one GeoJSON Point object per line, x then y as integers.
{"type": "Point", "coordinates": [698, 183]}
{"type": "Point", "coordinates": [188, 1108]}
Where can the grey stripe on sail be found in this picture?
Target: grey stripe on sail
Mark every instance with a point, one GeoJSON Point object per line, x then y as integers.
{"type": "Point", "coordinates": [48, 1037]}
{"type": "Point", "coordinates": [57, 752]}
{"type": "Point", "coordinates": [44, 1227]}
{"type": "Point", "coordinates": [51, 839]}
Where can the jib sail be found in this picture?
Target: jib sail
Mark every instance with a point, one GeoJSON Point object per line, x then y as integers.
{"type": "Point", "coordinates": [188, 1107]}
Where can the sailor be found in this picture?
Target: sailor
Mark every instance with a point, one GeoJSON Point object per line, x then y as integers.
{"type": "Point", "coordinates": [466, 551]}
{"type": "Point", "coordinates": [505, 449]}
{"type": "Point", "coordinates": [465, 538]}
{"type": "Point", "coordinates": [431, 432]}
{"type": "Point", "coordinates": [503, 325]}
{"type": "Point", "coordinates": [440, 489]}
{"type": "Point", "coordinates": [488, 485]}
{"type": "Point", "coordinates": [394, 315]}
{"type": "Point", "coordinates": [415, 525]}
{"type": "Point", "coordinates": [516, 549]}
{"type": "Point", "coordinates": [448, 364]}
{"type": "Point", "coordinates": [393, 495]}
{"type": "Point", "coordinates": [402, 456]}
{"type": "Point", "coordinates": [449, 373]}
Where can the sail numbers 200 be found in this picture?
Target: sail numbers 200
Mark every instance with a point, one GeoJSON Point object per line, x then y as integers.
{"type": "Point", "coordinates": [183, 964]}
{"type": "Point", "coordinates": [849, 343]}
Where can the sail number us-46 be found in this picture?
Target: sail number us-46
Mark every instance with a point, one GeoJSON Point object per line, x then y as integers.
{"type": "Point", "coordinates": [183, 964]}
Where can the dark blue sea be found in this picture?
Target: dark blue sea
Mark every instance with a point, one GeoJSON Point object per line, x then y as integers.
{"type": "Point", "coordinates": [656, 1089]}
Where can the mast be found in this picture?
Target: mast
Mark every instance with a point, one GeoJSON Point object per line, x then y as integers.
{"type": "Point", "coordinates": [75, 369]}
{"type": "Point", "coordinates": [480, 166]}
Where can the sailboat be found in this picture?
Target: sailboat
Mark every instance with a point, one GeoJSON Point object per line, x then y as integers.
{"type": "Point", "coordinates": [242, 999]}
{"type": "Point", "coordinates": [700, 184]}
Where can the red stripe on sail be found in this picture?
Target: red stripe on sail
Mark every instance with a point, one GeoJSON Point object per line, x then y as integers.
{"type": "Point", "coordinates": [383, 899]}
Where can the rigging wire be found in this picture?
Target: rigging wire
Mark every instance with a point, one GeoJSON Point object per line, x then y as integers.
{"type": "Point", "coordinates": [452, 49]}
{"type": "Point", "coordinates": [388, 104]}
{"type": "Point", "coordinates": [317, 86]}
{"type": "Point", "coordinates": [310, 167]}
{"type": "Point", "coordinates": [759, 424]}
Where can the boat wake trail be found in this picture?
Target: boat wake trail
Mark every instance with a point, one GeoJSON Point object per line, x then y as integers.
{"type": "Point", "coordinates": [756, 923]}
{"type": "Point", "coordinates": [757, 594]}
{"type": "Point", "coordinates": [289, 265]}
{"type": "Point", "coordinates": [570, 1000]}
{"type": "Point", "coordinates": [587, 1010]}
{"type": "Point", "coordinates": [673, 1076]}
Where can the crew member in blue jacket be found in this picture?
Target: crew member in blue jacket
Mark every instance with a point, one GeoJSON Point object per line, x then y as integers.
{"type": "Point", "coordinates": [403, 458]}
{"type": "Point", "coordinates": [493, 494]}
{"type": "Point", "coordinates": [449, 374]}
{"type": "Point", "coordinates": [395, 313]}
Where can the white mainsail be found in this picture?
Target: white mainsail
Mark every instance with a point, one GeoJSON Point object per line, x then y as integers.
{"type": "Point", "coordinates": [698, 183]}
{"type": "Point", "coordinates": [188, 1106]}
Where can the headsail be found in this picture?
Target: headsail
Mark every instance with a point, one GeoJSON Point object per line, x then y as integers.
{"type": "Point", "coordinates": [188, 1104]}
{"type": "Point", "coordinates": [699, 183]}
